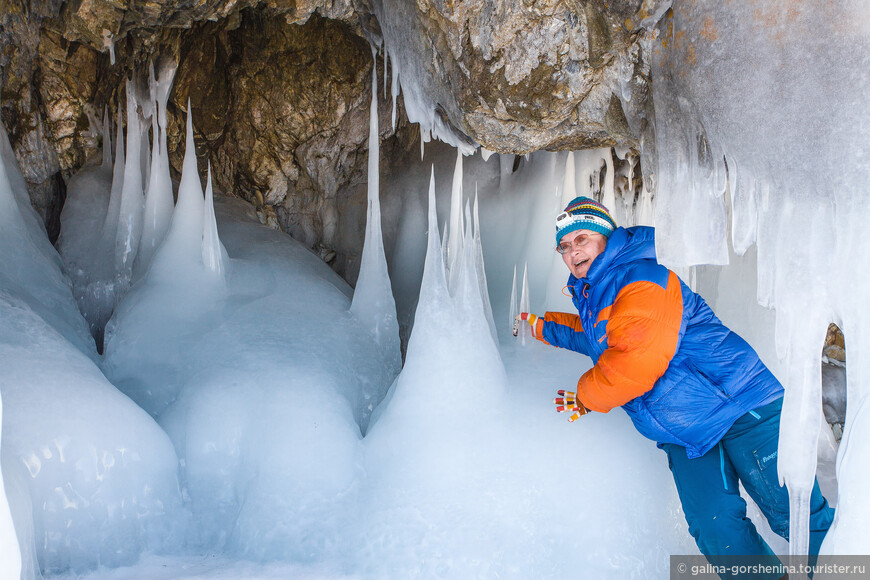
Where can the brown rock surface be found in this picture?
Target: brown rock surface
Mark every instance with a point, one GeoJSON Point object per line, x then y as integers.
{"type": "Point", "coordinates": [280, 88]}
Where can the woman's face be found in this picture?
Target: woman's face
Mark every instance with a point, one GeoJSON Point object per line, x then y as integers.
{"type": "Point", "coordinates": [583, 246]}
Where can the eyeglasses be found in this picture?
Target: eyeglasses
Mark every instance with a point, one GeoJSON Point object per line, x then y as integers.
{"type": "Point", "coordinates": [577, 242]}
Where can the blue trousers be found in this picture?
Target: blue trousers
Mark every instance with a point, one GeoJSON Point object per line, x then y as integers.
{"type": "Point", "coordinates": [711, 500]}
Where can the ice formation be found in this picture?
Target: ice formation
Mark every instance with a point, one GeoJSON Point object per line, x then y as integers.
{"type": "Point", "coordinates": [90, 478]}
{"type": "Point", "coordinates": [158, 195]}
{"type": "Point", "coordinates": [373, 302]}
{"type": "Point", "coordinates": [781, 119]}
{"type": "Point", "coordinates": [399, 27]}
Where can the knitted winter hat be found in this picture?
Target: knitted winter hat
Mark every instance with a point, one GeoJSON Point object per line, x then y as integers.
{"type": "Point", "coordinates": [584, 213]}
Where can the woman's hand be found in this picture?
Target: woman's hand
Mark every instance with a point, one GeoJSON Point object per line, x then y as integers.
{"type": "Point", "coordinates": [567, 402]}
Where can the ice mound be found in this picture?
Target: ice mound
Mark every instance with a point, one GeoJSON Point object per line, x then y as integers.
{"type": "Point", "coordinates": [91, 479]}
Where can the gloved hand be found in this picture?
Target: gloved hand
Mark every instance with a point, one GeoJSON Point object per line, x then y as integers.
{"type": "Point", "coordinates": [534, 321]}
{"type": "Point", "coordinates": [567, 402]}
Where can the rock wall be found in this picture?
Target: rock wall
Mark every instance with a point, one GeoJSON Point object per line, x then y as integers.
{"type": "Point", "coordinates": [280, 89]}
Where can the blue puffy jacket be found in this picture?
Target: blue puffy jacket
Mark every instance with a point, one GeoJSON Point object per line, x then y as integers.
{"type": "Point", "coordinates": [659, 351]}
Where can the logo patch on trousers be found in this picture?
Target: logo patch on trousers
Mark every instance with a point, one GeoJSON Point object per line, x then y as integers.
{"type": "Point", "coordinates": [767, 459]}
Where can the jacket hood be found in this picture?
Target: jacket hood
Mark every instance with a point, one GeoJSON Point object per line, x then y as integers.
{"type": "Point", "coordinates": [624, 246]}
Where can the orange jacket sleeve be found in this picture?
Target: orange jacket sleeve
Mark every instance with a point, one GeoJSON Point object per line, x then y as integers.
{"type": "Point", "coordinates": [642, 337]}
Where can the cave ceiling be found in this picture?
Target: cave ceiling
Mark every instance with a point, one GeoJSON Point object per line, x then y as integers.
{"type": "Point", "coordinates": [280, 89]}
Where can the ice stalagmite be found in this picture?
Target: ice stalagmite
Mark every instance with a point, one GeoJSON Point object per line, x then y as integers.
{"type": "Point", "coordinates": [182, 247]}
{"type": "Point", "coordinates": [129, 228]}
{"type": "Point", "coordinates": [514, 301]}
{"type": "Point", "coordinates": [113, 213]}
{"type": "Point", "coordinates": [107, 141]}
{"type": "Point", "coordinates": [525, 306]}
{"type": "Point", "coordinates": [214, 254]}
{"type": "Point", "coordinates": [455, 229]}
{"type": "Point", "coordinates": [158, 198]}
{"type": "Point", "coordinates": [481, 272]}
{"type": "Point", "coordinates": [373, 303]}
{"type": "Point", "coordinates": [432, 453]}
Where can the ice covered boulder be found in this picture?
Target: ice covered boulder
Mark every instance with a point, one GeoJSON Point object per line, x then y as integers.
{"type": "Point", "coordinates": [262, 378]}
{"type": "Point", "coordinates": [90, 478]}
{"type": "Point", "coordinates": [100, 474]}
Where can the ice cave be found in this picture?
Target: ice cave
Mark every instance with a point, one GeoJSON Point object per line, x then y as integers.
{"type": "Point", "coordinates": [260, 263]}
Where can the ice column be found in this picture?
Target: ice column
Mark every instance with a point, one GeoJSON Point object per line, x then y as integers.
{"type": "Point", "coordinates": [373, 303]}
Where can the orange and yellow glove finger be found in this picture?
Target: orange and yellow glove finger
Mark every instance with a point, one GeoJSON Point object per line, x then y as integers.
{"type": "Point", "coordinates": [535, 322]}
{"type": "Point", "coordinates": [567, 402]}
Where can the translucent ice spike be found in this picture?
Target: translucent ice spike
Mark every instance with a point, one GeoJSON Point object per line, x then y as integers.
{"type": "Point", "coordinates": [455, 227]}
{"type": "Point", "coordinates": [110, 223]}
{"type": "Point", "coordinates": [481, 271]}
{"type": "Point", "coordinates": [434, 295]}
{"type": "Point", "coordinates": [506, 166]}
{"type": "Point", "coordinates": [214, 255]}
{"type": "Point", "coordinates": [107, 140]}
{"type": "Point", "coordinates": [159, 200]}
{"type": "Point", "coordinates": [183, 244]}
{"type": "Point", "coordinates": [165, 76]}
{"type": "Point", "coordinates": [569, 183]}
{"type": "Point", "coordinates": [373, 303]}
{"type": "Point", "coordinates": [132, 202]}
{"type": "Point", "coordinates": [525, 330]}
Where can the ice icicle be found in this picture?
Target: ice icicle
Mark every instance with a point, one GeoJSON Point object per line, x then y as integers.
{"type": "Point", "coordinates": [555, 299]}
{"type": "Point", "coordinates": [373, 303]}
{"type": "Point", "coordinates": [481, 271]}
{"type": "Point", "coordinates": [608, 196]}
{"type": "Point", "coordinates": [148, 113]}
{"type": "Point", "coordinates": [802, 411]}
{"type": "Point", "coordinates": [744, 210]}
{"type": "Point", "coordinates": [394, 92]}
{"type": "Point", "coordinates": [109, 44]}
{"type": "Point", "coordinates": [506, 166]}
{"type": "Point", "coordinates": [107, 140]}
{"type": "Point", "coordinates": [10, 563]}
{"type": "Point", "coordinates": [214, 255]}
{"type": "Point", "coordinates": [132, 203]}
{"type": "Point", "coordinates": [569, 183]}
